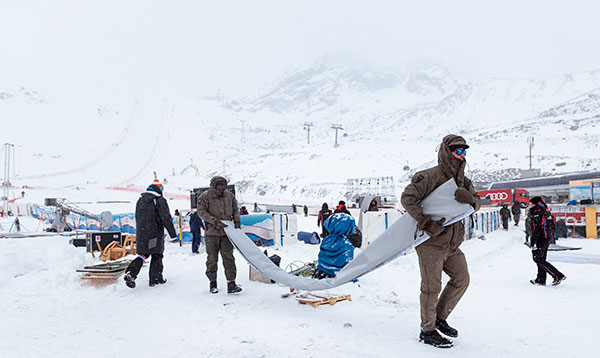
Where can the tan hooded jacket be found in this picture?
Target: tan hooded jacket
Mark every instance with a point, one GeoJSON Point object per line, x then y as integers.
{"type": "Point", "coordinates": [214, 207]}
{"type": "Point", "coordinates": [426, 181]}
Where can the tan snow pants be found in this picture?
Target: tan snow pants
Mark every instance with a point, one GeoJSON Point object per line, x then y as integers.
{"type": "Point", "coordinates": [432, 261]}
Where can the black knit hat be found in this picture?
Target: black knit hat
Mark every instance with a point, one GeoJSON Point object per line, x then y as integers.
{"type": "Point", "coordinates": [155, 188]}
{"type": "Point", "coordinates": [536, 200]}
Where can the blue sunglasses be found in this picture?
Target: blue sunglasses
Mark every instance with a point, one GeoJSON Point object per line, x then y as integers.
{"type": "Point", "coordinates": [460, 151]}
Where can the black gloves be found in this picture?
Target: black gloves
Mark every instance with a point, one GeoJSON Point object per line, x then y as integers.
{"type": "Point", "coordinates": [432, 228]}
{"type": "Point", "coordinates": [237, 226]}
{"type": "Point", "coordinates": [462, 195]}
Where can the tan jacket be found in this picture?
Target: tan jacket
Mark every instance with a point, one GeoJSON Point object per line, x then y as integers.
{"type": "Point", "coordinates": [426, 181]}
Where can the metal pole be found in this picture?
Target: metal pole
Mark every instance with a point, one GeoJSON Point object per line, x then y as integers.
{"type": "Point", "coordinates": [530, 141]}
{"type": "Point", "coordinates": [6, 180]}
{"type": "Point", "coordinates": [336, 127]}
{"type": "Point", "coordinates": [307, 126]}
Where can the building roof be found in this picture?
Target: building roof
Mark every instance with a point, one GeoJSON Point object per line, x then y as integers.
{"type": "Point", "coordinates": [544, 181]}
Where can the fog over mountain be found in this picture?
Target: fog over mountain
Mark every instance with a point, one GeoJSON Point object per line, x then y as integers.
{"type": "Point", "coordinates": [391, 118]}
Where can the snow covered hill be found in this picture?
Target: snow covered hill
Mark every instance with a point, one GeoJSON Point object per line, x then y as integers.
{"type": "Point", "coordinates": [391, 118]}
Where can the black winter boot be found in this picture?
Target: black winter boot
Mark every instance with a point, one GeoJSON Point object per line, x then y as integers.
{"type": "Point", "coordinates": [233, 288]}
{"type": "Point", "coordinates": [159, 281]}
{"type": "Point", "coordinates": [213, 287]}
{"type": "Point", "coordinates": [129, 280]}
{"type": "Point", "coordinates": [537, 283]}
{"type": "Point", "coordinates": [557, 282]}
{"type": "Point", "coordinates": [445, 328]}
{"type": "Point", "coordinates": [433, 338]}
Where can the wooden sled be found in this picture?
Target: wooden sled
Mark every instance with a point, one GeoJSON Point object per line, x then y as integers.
{"type": "Point", "coordinates": [313, 299]}
{"type": "Point", "coordinates": [109, 270]}
{"type": "Point", "coordinates": [115, 251]}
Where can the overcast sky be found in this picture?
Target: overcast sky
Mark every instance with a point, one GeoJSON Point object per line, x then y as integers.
{"type": "Point", "coordinates": [195, 47]}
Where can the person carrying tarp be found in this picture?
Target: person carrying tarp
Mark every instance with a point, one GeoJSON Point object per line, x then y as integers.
{"type": "Point", "coordinates": [214, 205]}
{"type": "Point", "coordinates": [336, 249]}
{"type": "Point", "coordinates": [441, 252]}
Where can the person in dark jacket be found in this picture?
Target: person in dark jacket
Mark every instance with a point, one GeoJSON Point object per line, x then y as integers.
{"type": "Point", "coordinates": [195, 225]}
{"type": "Point", "coordinates": [341, 208]}
{"type": "Point", "coordinates": [305, 210]}
{"type": "Point", "coordinates": [516, 212]}
{"type": "Point", "coordinates": [215, 205]}
{"type": "Point", "coordinates": [561, 230]}
{"type": "Point", "coordinates": [528, 229]}
{"type": "Point", "coordinates": [373, 205]}
{"type": "Point", "coordinates": [324, 213]}
{"type": "Point", "coordinates": [244, 211]}
{"type": "Point", "coordinates": [441, 253]}
{"type": "Point", "coordinates": [505, 216]}
{"type": "Point", "coordinates": [152, 217]}
{"type": "Point", "coordinates": [543, 227]}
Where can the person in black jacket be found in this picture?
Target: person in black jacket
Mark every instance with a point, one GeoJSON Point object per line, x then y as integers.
{"type": "Point", "coordinates": [195, 225]}
{"type": "Point", "coordinates": [543, 227]}
{"type": "Point", "coordinates": [152, 217]}
{"type": "Point", "coordinates": [324, 213]}
{"type": "Point", "coordinates": [341, 208]}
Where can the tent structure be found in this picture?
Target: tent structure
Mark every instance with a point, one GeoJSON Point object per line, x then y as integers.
{"type": "Point", "coordinates": [401, 237]}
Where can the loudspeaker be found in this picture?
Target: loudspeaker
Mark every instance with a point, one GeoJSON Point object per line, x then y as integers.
{"type": "Point", "coordinates": [103, 238]}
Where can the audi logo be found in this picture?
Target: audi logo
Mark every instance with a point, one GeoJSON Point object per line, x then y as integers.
{"type": "Point", "coordinates": [497, 196]}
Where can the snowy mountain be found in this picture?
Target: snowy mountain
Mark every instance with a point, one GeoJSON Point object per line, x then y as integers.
{"type": "Point", "coordinates": [391, 118]}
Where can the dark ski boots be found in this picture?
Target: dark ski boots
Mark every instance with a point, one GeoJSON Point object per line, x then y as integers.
{"type": "Point", "coordinates": [537, 283]}
{"type": "Point", "coordinates": [213, 287]}
{"type": "Point", "coordinates": [129, 280]}
{"type": "Point", "coordinates": [443, 327]}
{"type": "Point", "coordinates": [233, 288]}
{"type": "Point", "coordinates": [557, 282]}
{"type": "Point", "coordinates": [160, 281]}
{"type": "Point", "coordinates": [433, 338]}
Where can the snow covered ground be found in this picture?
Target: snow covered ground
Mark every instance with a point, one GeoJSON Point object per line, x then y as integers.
{"type": "Point", "coordinates": [48, 311]}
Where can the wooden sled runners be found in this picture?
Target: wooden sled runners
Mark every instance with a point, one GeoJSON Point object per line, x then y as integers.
{"type": "Point", "coordinates": [108, 270]}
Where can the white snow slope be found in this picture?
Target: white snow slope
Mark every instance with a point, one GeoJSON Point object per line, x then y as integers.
{"type": "Point", "coordinates": [47, 311]}
{"type": "Point", "coordinates": [391, 118]}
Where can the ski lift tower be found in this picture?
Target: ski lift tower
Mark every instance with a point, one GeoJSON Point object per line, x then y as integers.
{"type": "Point", "coordinates": [530, 141]}
{"type": "Point", "coordinates": [6, 180]}
{"type": "Point", "coordinates": [336, 127]}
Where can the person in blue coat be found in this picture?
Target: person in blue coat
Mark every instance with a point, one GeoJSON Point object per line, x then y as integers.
{"type": "Point", "coordinates": [195, 225]}
{"type": "Point", "coordinates": [336, 249]}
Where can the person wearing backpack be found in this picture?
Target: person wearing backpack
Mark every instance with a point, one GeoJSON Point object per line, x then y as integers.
{"type": "Point", "coordinates": [543, 228]}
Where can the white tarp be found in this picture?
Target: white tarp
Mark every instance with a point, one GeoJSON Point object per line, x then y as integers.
{"type": "Point", "coordinates": [400, 238]}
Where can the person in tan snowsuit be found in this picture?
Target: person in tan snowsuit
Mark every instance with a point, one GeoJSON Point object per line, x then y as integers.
{"type": "Point", "coordinates": [441, 252]}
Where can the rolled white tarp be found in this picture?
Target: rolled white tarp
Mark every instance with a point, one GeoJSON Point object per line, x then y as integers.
{"type": "Point", "coordinates": [396, 241]}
